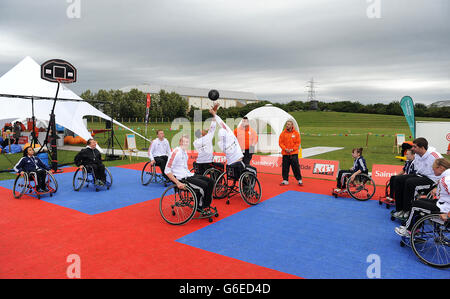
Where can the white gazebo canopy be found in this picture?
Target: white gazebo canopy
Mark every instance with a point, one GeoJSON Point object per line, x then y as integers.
{"type": "Point", "coordinates": [275, 117]}
{"type": "Point", "coordinates": [24, 81]}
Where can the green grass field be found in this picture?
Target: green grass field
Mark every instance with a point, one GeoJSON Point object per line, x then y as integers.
{"type": "Point", "coordinates": [375, 133]}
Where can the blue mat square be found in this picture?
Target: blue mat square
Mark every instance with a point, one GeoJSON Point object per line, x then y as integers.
{"type": "Point", "coordinates": [314, 236]}
{"type": "Point", "coordinates": [126, 190]}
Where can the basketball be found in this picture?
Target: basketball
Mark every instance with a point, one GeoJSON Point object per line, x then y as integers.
{"type": "Point", "coordinates": [213, 94]}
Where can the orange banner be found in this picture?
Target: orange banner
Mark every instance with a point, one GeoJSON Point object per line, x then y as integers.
{"type": "Point", "coordinates": [381, 173]}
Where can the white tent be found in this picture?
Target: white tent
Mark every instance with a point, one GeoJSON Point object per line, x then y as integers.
{"type": "Point", "coordinates": [275, 117]}
{"type": "Point", "coordinates": [25, 80]}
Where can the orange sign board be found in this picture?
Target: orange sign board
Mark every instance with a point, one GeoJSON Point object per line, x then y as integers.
{"type": "Point", "coordinates": [381, 173]}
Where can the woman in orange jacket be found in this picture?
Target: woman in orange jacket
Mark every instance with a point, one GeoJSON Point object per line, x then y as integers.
{"type": "Point", "coordinates": [289, 142]}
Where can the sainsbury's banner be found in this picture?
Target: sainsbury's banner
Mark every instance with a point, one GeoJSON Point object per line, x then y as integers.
{"type": "Point", "coordinates": [312, 168]}
{"type": "Point", "coordinates": [381, 173]}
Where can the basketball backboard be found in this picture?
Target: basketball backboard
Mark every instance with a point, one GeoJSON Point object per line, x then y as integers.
{"type": "Point", "coordinates": [58, 70]}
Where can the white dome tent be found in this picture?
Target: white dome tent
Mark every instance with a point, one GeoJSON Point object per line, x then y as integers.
{"type": "Point", "coordinates": [24, 81]}
{"type": "Point", "coordinates": [276, 118]}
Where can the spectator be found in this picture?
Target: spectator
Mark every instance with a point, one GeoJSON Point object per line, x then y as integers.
{"type": "Point", "coordinates": [247, 138]}
{"type": "Point", "coordinates": [407, 186]}
{"type": "Point", "coordinates": [289, 142]}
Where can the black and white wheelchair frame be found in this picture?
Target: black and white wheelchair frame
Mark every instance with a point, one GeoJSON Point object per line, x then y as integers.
{"type": "Point", "coordinates": [178, 206]}
{"type": "Point", "coordinates": [430, 240]}
{"type": "Point", "coordinates": [424, 193]}
{"type": "Point", "coordinates": [362, 188]}
{"type": "Point", "coordinates": [245, 183]}
{"type": "Point", "coordinates": [85, 175]}
{"type": "Point", "coordinates": [150, 175]}
{"type": "Point", "coordinates": [27, 183]}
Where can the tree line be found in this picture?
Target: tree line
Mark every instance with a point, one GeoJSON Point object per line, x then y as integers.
{"type": "Point", "coordinates": [172, 105]}
{"type": "Point", "coordinates": [133, 104]}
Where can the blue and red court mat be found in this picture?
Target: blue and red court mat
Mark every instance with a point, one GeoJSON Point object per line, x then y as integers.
{"type": "Point", "coordinates": [295, 232]}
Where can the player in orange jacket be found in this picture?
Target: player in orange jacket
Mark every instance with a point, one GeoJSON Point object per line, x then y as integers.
{"type": "Point", "coordinates": [247, 139]}
{"type": "Point", "coordinates": [289, 142]}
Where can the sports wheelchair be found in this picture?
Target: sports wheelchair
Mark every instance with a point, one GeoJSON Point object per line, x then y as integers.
{"type": "Point", "coordinates": [362, 188]}
{"type": "Point", "coordinates": [213, 170]}
{"type": "Point", "coordinates": [86, 174]}
{"type": "Point", "coordinates": [27, 182]}
{"type": "Point", "coordinates": [178, 206]}
{"type": "Point", "coordinates": [385, 199]}
{"type": "Point", "coordinates": [430, 240]}
{"type": "Point", "coordinates": [421, 194]}
{"type": "Point", "coordinates": [150, 175]}
{"type": "Point", "coordinates": [236, 181]}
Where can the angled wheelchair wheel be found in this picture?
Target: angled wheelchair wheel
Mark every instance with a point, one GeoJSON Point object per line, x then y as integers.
{"type": "Point", "coordinates": [79, 178]}
{"type": "Point", "coordinates": [249, 188]}
{"type": "Point", "coordinates": [51, 183]}
{"type": "Point", "coordinates": [20, 185]}
{"type": "Point", "coordinates": [109, 178]}
{"type": "Point", "coordinates": [430, 241]}
{"type": "Point", "coordinates": [221, 187]}
{"type": "Point", "coordinates": [178, 206]}
{"type": "Point", "coordinates": [212, 173]}
{"type": "Point", "coordinates": [147, 174]}
{"type": "Point", "coordinates": [362, 188]}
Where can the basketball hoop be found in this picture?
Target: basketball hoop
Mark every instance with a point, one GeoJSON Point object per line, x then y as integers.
{"type": "Point", "coordinates": [57, 71]}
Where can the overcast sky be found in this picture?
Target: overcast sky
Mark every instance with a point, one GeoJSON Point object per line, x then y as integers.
{"type": "Point", "coordinates": [353, 50]}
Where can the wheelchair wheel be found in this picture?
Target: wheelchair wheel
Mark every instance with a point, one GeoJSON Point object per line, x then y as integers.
{"type": "Point", "coordinates": [430, 241]}
{"type": "Point", "coordinates": [178, 206]}
{"type": "Point", "coordinates": [147, 174]}
{"type": "Point", "coordinates": [51, 183]}
{"type": "Point", "coordinates": [212, 173]}
{"type": "Point", "coordinates": [250, 188]}
{"type": "Point", "coordinates": [221, 186]}
{"type": "Point", "coordinates": [108, 179]}
{"type": "Point", "coordinates": [79, 178]}
{"type": "Point", "coordinates": [362, 188]}
{"type": "Point", "coordinates": [20, 185]}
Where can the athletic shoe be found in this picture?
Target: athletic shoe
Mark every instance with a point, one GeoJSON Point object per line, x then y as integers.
{"type": "Point", "coordinates": [405, 214]}
{"type": "Point", "coordinates": [402, 231]}
{"type": "Point", "coordinates": [300, 182]}
{"type": "Point", "coordinates": [398, 214]}
{"type": "Point", "coordinates": [284, 183]}
{"type": "Point", "coordinates": [389, 199]}
{"type": "Point", "coordinates": [337, 190]}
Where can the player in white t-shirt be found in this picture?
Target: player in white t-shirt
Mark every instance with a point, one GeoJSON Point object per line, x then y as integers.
{"type": "Point", "coordinates": [228, 143]}
{"type": "Point", "coordinates": [441, 169]}
{"type": "Point", "coordinates": [204, 146]}
{"type": "Point", "coordinates": [159, 151]}
{"type": "Point", "coordinates": [178, 172]}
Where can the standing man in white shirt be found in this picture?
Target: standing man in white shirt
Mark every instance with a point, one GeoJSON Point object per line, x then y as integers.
{"type": "Point", "coordinates": [204, 146]}
{"type": "Point", "coordinates": [159, 152]}
{"type": "Point", "coordinates": [178, 172]}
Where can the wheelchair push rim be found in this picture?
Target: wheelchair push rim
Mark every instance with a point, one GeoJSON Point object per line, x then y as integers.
{"type": "Point", "coordinates": [221, 187]}
{"type": "Point", "coordinates": [51, 183]}
{"type": "Point", "coordinates": [20, 185]}
{"type": "Point", "coordinates": [362, 188]}
{"type": "Point", "coordinates": [177, 206]}
{"type": "Point", "coordinates": [79, 179]}
{"type": "Point", "coordinates": [249, 188]}
{"type": "Point", "coordinates": [430, 241]}
{"type": "Point", "coordinates": [147, 174]}
{"type": "Point", "coordinates": [212, 173]}
{"type": "Point", "coordinates": [108, 179]}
